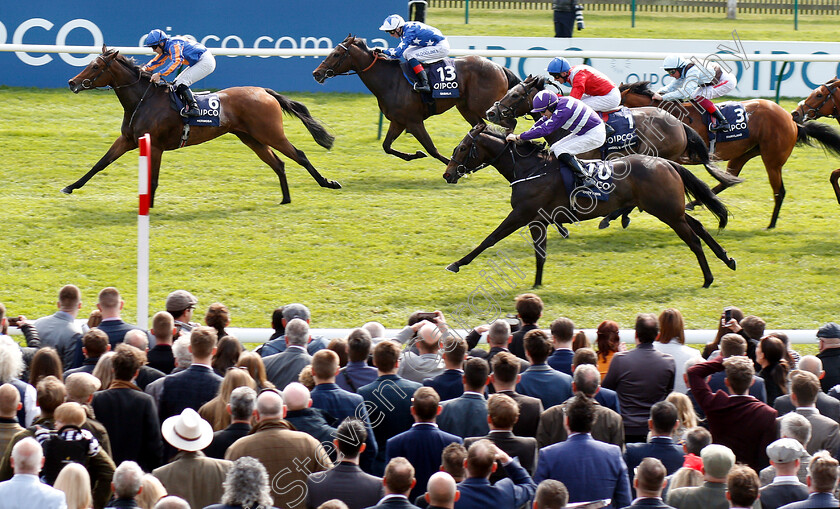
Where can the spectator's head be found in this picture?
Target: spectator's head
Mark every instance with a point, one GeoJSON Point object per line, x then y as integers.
{"type": "Point", "coordinates": [502, 412]}
{"type": "Point", "coordinates": [104, 369]}
{"type": "Point", "coordinates": [333, 503]}
{"type": "Point", "coordinates": [671, 326]}
{"type": "Point", "coordinates": [663, 418]}
{"type": "Point", "coordinates": [829, 336]}
{"type": "Point", "coordinates": [180, 305]}
{"type": "Point", "coordinates": [584, 356]}
{"type": "Point", "coordinates": [607, 338]}
{"type": "Point", "coordinates": [181, 352]}
{"type": "Point", "coordinates": [203, 344]}
{"type": "Point", "coordinates": [217, 316]}
{"type": "Point", "coordinates": [425, 405]}
{"type": "Point", "coordinates": [70, 299]}
{"type": "Point", "coordinates": [399, 477]}
{"type": "Point", "coordinates": [770, 351]}
{"type": "Point", "coordinates": [152, 491]}
{"type": "Point", "coordinates": [246, 484]}
{"type": "Point", "coordinates": [562, 332]}
{"type": "Point", "coordinates": [685, 409]}
{"type": "Point", "coordinates": [255, 366]}
{"type": "Point", "coordinates": [27, 456]}
{"type": "Point", "coordinates": [297, 332]}
{"type": "Point", "coordinates": [647, 328]}
{"type": "Point", "coordinates": [538, 346]}
{"type": "Point", "coordinates": [296, 310]}
{"type": "Point", "coordinates": [44, 363]}
{"type": "Point", "coordinates": [742, 486]}
{"type": "Point", "coordinates": [732, 344]}
{"type": "Point", "coordinates": [580, 341]}
{"type": "Point", "coordinates": [227, 353]}
{"type": "Point", "coordinates": [476, 371]}
{"type": "Point", "coordinates": [499, 333]}
{"type": "Point", "coordinates": [305, 377]}
{"type": "Point", "coordinates": [324, 366]}
{"type": "Point", "coordinates": [795, 426]}
{"type": "Point", "coordinates": [650, 478]}
{"type": "Point", "coordinates": [753, 327]}
{"type": "Point", "coordinates": [138, 339]}
{"type": "Point", "coordinates": [481, 459]}
{"type": "Point", "coordinates": [128, 480]}
{"type": "Point", "coordinates": [109, 302]}
{"type": "Point", "coordinates": [739, 374]}
{"type": "Point", "coordinates": [454, 352]}
{"type": "Point", "coordinates": [386, 357]}
{"type": "Point", "coordinates": [350, 438]}
{"type": "Point", "coordinates": [270, 405]}
{"type": "Point", "coordinates": [74, 481]}
{"type": "Point", "coordinates": [277, 323]}
{"type": "Point", "coordinates": [9, 401]}
{"type": "Point", "coordinates": [339, 346]}
{"type": "Point", "coordinates": [126, 362]}
{"type": "Point", "coordinates": [172, 502]}
{"type": "Point", "coordinates": [452, 461]}
{"type": "Point", "coordinates": [717, 461]}
{"type": "Point", "coordinates": [297, 397]}
{"type": "Point", "coordinates": [94, 319]}
{"type": "Point", "coordinates": [804, 388]}
{"type": "Point", "coordinates": [163, 327]}
{"type": "Point", "coordinates": [441, 490]}
{"type": "Point", "coordinates": [234, 378]}
{"type": "Point", "coordinates": [822, 473]}
{"type": "Point", "coordinates": [551, 494]}
{"type": "Point", "coordinates": [187, 431]}
{"type": "Point", "coordinates": [95, 343]}
{"type": "Point", "coordinates": [69, 414]}
{"type": "Point", "coordinates": [696, 439]}
{"type": "Point", "coordinates": [811, 364]}
{"type": "Point", "coordinates": [580, 414]}
{"type": "Point", "coordinates": [529, 307]}
{"type": "Point", "coordinates": [785, 455]}
{"type": "Point", "coordinates": [375, 329]}
{"type": "Point", "coordinates": [11, 359]}
{"type": "Point", "coordinates": [243, 401]}
{"type": "Point", "coordinates": [587, 379]}
{"type": "Point", "coordinates": [505, 371]}
{"type": "Point", "coordinates": [358, 345]}
{"type": "Point", "coordinates": [50, 393]}
{"type": "Point", "coordinates": [429, 338]}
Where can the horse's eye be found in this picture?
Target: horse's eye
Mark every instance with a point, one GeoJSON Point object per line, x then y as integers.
{"type": "Point", "coordinates": [462, 148]}
{"type": "Point", "coordinates": [95, 66]}
{"type": "Point", "coordinates": [515, 96]}
{"type": "Point", "coordinates": [819, 95]}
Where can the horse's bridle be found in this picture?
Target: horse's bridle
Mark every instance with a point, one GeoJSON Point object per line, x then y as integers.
{"type": "Point", "coordinates": [506, 111]}
{"type": "Point", "coordinates": [329, 72]}
{"type": "Point", "coordinates": [816, 109]}
{"type": "Point", "coordinates": [87, 84]}
{"type": "Point", "coordinates": [462, 169]}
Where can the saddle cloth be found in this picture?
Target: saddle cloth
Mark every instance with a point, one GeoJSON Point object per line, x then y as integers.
{"type": "Point", "coordinates": [443, 78]}
{"type": "Point", "coordinates": [624, 136]}
{"type": "Point", "coordinates": [599, 171]}
{"type": "Point", "coordinates": [208, 104]}
{"type": "Point", "coordinates": [736, 115]}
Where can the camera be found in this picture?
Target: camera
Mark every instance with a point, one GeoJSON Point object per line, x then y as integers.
{"type": "Point", "coordinates": [427, 316]}
{"type": "Point", "coordinates": [727, 314]}
{"type": "Point", "coordinates": [13, 321]}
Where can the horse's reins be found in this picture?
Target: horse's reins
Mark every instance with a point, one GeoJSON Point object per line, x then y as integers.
{"type": "Point", "coordinates": [506, 111]}
{"type": "Point", "coordinates": [329, 73]}
{"type": "Point", "coordinates": [473, 152]}
{"type": "Point", "coordinates": [831, 89]}
{"type": "Point", "coordinates": [88, 83]}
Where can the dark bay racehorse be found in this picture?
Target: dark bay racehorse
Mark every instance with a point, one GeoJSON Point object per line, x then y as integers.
{"type": "Point", "coordinates": [482, 82]}
{"type": "Point", "coordinates": [254, 115]}
{"type": "Point", "coordinates": [652, 184]}
{"type": "Point", "coordinates": [773, 135]}
{"type": "Point", "coordinates": [822, 102]}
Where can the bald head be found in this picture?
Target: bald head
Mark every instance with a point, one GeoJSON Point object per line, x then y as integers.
{"type": "Point", "coordinates": [296, 396]}
{"type": "Point", "coordinates": [430, 337]}
{"type": "Point", "coordinates": [441, 489]}
{"type": "Point", "coordinates": [137, 339]}
{"type": "Point", "coordinates": [9, 401]}
{"type": "Point", "coordinates": [811, 364]}
{"type": "Point", "coordinates": [27, 456]}
{"type": "Point", "coordinates": [270, 406]}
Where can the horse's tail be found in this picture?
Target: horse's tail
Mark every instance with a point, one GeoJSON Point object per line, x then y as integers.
{"type": "Point", "coordinates": [512, 78]}
{"type": "Point", "coordinates": [826, 135]}
{"type": "Point", "coordinates": [698, 190]}
{"type": "Point", "coordinates": [697, 150]}
{"type": "Point", "coordinates": [316, 129]}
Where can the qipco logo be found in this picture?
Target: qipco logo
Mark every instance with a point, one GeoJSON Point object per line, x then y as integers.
{"type": "Point", "coordinates": [60, 39]}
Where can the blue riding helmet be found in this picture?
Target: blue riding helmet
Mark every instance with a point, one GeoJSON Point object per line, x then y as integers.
{"type": "Point", "coordinates": [155, 37]}
{"type": "Point", "coordinates": [544, 99]}
{"type": "Point", "coordinates": [558, 65]}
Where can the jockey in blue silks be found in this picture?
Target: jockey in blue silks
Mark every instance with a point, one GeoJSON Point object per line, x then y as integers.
{"type": "Point", "coordinates": [419, 43]}
{"type": "Point", "coordinates": [179, 51]}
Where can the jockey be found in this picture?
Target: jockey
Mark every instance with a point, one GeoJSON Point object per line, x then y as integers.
{"type": "Point", "coordinates": [589, 85]}
{"type": "Point", "coordinates": [419, 43]}
{"type": "Point", "coordinates": [585, 127]}
{"type": "Point", "coordinates": [200, 64]}
{"type": "Point", "coordinates": [701, 83]}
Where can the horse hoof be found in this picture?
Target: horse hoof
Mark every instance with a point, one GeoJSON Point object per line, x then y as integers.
{"type": "Point", "coordinates": [453, 267]}
{"type": "Point", "coordinates": [286, 201]}
{"type": "Point", "coordinates": [419, 154]}
{"type": "Point", "coordinates": [67, 190]}
{"type": "Point", "coordinates": [604, 224]}
{"type": "Point", "coordinates": [625, 221]}
{"type": "Point", "coordinates": [708, 282]}
{"type": "Point", "coordinates": [332, 184]}
{"type": "Point", "coordinates": [563, 232]}
{"type": "Point", "coordinates": [731, 263]}
{"type": "Point", "coordinates": [690, 206]}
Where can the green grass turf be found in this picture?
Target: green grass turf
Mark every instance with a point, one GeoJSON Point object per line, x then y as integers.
{"type": "Point", "coordinates": [376, 249]}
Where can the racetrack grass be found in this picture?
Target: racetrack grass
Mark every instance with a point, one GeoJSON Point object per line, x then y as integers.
{"type": "Point", "coordinates": [376, 249]}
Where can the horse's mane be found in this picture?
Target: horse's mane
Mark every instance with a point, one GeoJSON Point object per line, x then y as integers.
{"type": "Point", "coordinates": [499, 132]}
{"type": "Point", "coordinates": [639, 87]}
{"type": "Point", "coordinates": [128, 62]}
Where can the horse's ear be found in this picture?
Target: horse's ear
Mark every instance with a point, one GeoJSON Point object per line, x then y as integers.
{"type": "Point", "coordinates": [104, 49]}
{"type": "Point", "coordinates": [479, 127]}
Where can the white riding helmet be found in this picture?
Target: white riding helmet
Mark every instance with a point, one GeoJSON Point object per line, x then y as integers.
{"type": "Point", "coordinates": [673, 62]}
{"type": "Point", "coordinates": [392, 22]}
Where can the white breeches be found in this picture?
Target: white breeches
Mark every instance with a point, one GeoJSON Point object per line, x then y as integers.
{"type": "Point", "coordinates": [578, 144]}
{"type": "Point", "coordinates": [601, 103]}
{"type": "Point", "coordinates": [727, 84]}
{"type": "Point", "coordinates": [425, 54]}
{"type": "Point", "coordinates": [205, 65]}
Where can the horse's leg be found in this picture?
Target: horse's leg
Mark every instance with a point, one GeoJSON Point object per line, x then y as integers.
{"type": "Point", "coordinates": [685, 232]}
{"type": "Point", "coordinates": [774, 174]}
{"type": "Point", "coordinates": [395, 129]}
{"type": "Point", "coordinates": [419, 132]}
{"type": "Point", "coordinates": [716, 248]}
{"type": "Point", "coordinates": [835, 176]}
{"type": "Point", "coordinates": [733, 168]}
{"type": "Point", "coordinates": [615, 214]}
{"type": "Point", "coordinates": [539, 234]}
{"type": "Point", "coordinates": [297, 155]}
{"type": "Point", "coordinates": [155, 154]}
{"type": "Point", "coordinates": [518, 217]}
{"type": "Point", "coordinates": [120, 146]}
{"type": "Point", "coordinates": [268, 156]}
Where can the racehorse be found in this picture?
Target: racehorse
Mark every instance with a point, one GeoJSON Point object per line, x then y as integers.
{"type": "Point", "coordinates": [481, 83]}
{"type": "Point", "coordinates": [822, 102]}
{"type": "Point", "coordinates": [773, 135]}
{"type": "Point", "coordinates": [653, 184]}
{"type": "Point", "coordinates": [254, 115]}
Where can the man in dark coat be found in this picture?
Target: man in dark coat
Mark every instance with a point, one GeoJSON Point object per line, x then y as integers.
{"type": "Point", "coordinates": [450, 383]}
{"type": "Point", "coordinates": [243, 402]}
{"type": "Point", "coordinates": [197, 384]}
{"type": "Point", "coordinates": [663, 421]}
{"type": "Point", "coordinates": [283, 368]}
{"type": "Point", "coordinates": [648, 483]}
{"type": "Point", "coordinates": [399, 480]}
{"type": "Point", "coordinates": [504, 378]}
{"type": "Point", "coordinates": [466, 415]}
{"type": "Point", "coordinates": [476, 490]}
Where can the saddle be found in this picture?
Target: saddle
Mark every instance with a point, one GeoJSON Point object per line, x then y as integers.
{"type": "Point", "coordinates": [443, 79]}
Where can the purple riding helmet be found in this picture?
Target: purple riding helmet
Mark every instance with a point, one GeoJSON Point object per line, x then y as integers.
{"type": "Point", "coordinates": [544, 99]}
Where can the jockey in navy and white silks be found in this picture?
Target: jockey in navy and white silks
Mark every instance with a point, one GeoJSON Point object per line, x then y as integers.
{"type": "Point", "coordinates": [179, 51]}
{"type": "Point", "coordinates": [585, 127]}
{"type": "Point", "coordinates": [419, 43]}
{"type": "Point", "coordinates": [701, 83]}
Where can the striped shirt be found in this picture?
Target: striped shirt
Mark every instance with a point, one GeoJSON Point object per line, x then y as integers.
{"type": "Point", "coordinates": [570, 115]}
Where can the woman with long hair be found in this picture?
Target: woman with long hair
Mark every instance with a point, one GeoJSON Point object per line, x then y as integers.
{"type": "Point", "coordinates": [607, 343]}
{"type": "Point", "coordinates": [671, 340]}
{"type": "Point", "coordinates": [45, 362]}
{"type": "Point", "coordinates": [685, 413]}
{"type": "Point", "coordinates": [74, 481]}
{"type": "Point", "coordinates": [104, 370]}
{"type": "Point", "coordinates": [227, 354]}
{"type": "Point", "coordinates": [770, 355]}
{"type": "Point", "coordinates": [215, 410]}
{"type": "Point", "coordinates": [735, 314]}
{"type": "Point", "coordinates": [218, 317]}
{"type": "Point", "coordinates": [254, 363]}
{"type": "Point", "coordinates": [152, 491]}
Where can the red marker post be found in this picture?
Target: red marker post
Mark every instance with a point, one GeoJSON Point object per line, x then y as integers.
{"type": "Point", "coordinates": [143, 190]}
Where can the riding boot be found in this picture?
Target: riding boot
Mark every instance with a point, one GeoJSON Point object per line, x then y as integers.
{"type": "Point", "coordinates": [721, 123]}
{"type": "Point", "coordinates": [422, 84]}
{"type": "Point", "coordinates": [192, 106]}
{"type": "Point", "coordinates": [580, 177]}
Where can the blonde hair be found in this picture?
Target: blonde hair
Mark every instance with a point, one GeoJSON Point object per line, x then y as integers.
{"type": "Point", "coordinates": [152, 491]}
{"type": "Point", "coordinates": [74, 481]}
{"type": "Point", "coordinates": [685, 478]}
{"type": "Point", "coordinates": [104, 370]}
{"type": "Point", "coordinates": [70, 414]}
{"type": "Point", "coordinates": [685, 410]}
{"type": "Point", "coordinates": [214, 411]}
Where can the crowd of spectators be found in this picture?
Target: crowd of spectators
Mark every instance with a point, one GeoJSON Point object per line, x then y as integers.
{"type": "Point", "coordinates": [105, 414]}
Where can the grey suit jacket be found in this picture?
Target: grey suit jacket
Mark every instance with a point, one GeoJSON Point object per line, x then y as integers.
{"type": "Point", "coordinates": [781, 493]}
{"type": "Point", "coordinates": [825, 432]}
{"type": "Point", "coordinates": [61, 332]}
{"type": "Point", "coordinates": [420, 367]}
{"type": "Point", "coordinates": [608, 426]}
{"type": "Point", "coordinates": [281, 369]}
{"type": "Point", "coordinates": [347, 483]}
{"type": "Point", "coordinates": [708, 496]}
{"type": "Point", "coordinates": [465, 416]}
{"type": "Point", "coordinates": [523, 448]}
{"type": "Point", "coordinates": [828, 406]}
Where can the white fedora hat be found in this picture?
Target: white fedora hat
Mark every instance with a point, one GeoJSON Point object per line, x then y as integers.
{"type": "Point", "coordinates": [188, 431]}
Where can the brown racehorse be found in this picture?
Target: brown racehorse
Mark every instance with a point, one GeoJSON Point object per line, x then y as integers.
{"type": "Point", "coordinates": [822, 102]}
{"type": "Point", "coordinates": [655, 185]}
{"type": "Point", "coordinates": [254, 115]}
{"type": "Point", "coordinates": [482, 82]}
{"type": "Point", "coordinates": [773, 135]}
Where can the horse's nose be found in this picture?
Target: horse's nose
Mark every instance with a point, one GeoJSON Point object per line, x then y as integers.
{"type": "Point", "coordinates": [318, 75]}
{"type": "Point", "coordinates": [72, 85]}
{"type": "Point", "coordinates": [491, 114]}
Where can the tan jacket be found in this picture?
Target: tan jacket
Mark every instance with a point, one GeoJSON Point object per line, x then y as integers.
{"type": "Point", "coordinates": [608, 426]}
{"type": "Point", "coordinates": [289, 456]}
{"type": "Point", "coordinates": [194, 477]}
